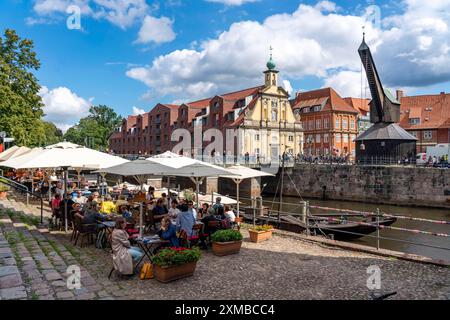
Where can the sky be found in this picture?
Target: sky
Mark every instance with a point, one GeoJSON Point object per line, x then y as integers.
{"type": "Point", "coordinates": [133, 54]}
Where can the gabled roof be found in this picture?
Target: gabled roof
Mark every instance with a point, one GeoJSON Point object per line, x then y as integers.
{"type": "Point", "coordinates": [317, 97]}
{"type": "Point", "coordinates": [360, 105]}
{"type": "Point", "coordinates": [432, 110]}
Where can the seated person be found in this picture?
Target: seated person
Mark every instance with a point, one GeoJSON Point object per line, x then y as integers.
{"type": "Point", "coordinates": [76, 209]}
{"type": "Point", "coordinates": [229, 214]}
{"type": "Point", "coordinates": [168, 231]}
{"type": "Point", "coordinates": [92, 215]}
{"type": "Point", "coordinates": [122, 252]}
{"type": "Point", "coordinates": [203, 211]}
{"type": "Point", "coordinates": [108, 205]}
{"type": "Point", "coordinates": [124, 212]}
{"type": "Point", "coordinates": [158, 210]}
{"type": "Point", "coordinates": [185, 220]}
{"type": "Point", "coordinates": [174, 211]}
{"type": "Point", "coordinates": [207, 219]}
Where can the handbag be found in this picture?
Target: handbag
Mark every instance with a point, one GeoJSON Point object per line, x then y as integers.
{"type": "Point", "coordinates": [146, 271]}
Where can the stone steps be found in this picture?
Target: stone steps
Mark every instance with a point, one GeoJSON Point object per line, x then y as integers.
{"type": "Point", "coordinates": [41, 260]}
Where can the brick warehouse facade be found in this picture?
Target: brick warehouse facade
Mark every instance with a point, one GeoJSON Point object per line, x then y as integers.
{"type": "Point", "coordinates": [329, 122]}
{"type": "Point", "coordinates": [426, 117]}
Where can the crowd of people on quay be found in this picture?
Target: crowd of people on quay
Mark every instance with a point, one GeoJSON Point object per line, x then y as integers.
{"type": "Point", "coordinates": [170, 217]}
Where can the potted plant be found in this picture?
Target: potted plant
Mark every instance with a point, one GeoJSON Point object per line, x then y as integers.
{"type": "Point", "coordinates": [225, 242]}
{"type": "Point", "coordinates": [260, 233]}
{"type": "Point", "coordinates": [3, 191]}
{"type": "Point", "coordinates": [175, 263]}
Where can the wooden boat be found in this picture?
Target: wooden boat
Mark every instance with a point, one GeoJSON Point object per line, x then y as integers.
{"type": "Point", "coordinates": [346, 229]}
{"type": "Point", "coordinates": [323, 225]}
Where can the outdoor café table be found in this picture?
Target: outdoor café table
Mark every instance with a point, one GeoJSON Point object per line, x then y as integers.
{"type": "Point", "coordinates": [149, 246]}
{"type": "Point", "coordinates": [102, 242]}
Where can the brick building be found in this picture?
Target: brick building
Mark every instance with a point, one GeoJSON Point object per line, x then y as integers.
{"type": "Point", "coordinates": [329, 122]}
{"type": "Point", "coordinates": [266, 122]}
{"type": "Point", "coordinates": [427, 117]}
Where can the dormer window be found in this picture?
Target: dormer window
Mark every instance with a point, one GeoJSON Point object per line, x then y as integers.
{"type": "Point", "coordinates": [414, 121]}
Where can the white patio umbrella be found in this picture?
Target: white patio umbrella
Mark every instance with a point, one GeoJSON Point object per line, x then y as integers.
{"type": "Point", "coordinates": [241, 173]}
{"type": "Point", "coordinates": [13, 152]}
{"type": "Point", "coordinates": [65, 155]}
{"type": "Point", "coordinates": [197, 171]}
{"type": "Point", "coordinates": [208, 198]}
{"type": "Point", "coordinates": [140, 169]}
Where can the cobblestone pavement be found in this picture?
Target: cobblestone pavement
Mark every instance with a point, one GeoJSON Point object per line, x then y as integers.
{"type": "Point", "coordinates": [281, 268]}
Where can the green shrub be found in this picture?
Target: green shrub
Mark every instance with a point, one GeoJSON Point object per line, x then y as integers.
{"type": "Point", "coordinates": [226, 235]}
{"type": "Point", "coordinates": [3, 188]}
{"type": "Point", "coordinates": [176, 256]}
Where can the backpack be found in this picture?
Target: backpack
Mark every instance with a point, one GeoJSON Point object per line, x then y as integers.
{"type": "Point", "coordinates": [146, 271]}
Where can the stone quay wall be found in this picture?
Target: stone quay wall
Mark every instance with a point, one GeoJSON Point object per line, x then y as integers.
{"type": "Point", "coordinates": [396, 185]}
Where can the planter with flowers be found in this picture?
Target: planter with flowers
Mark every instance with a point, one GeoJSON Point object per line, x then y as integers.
{"type": "Point", "coordinates": [225, 242]}
{"type": "Point", "coordinates": [3, 191]}
{"type": "Point", "coordinates": [260, 233]}
{"type": "Point", "coordinates": [175, 263]}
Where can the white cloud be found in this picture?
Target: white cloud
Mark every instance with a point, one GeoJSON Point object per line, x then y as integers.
{"type": "Point", "coordinates": [156, 30]}
{"type": "Point", "coordinates": [122, 13]}
{"type": "Point", "coordinates": [63, 107]}
{"type": "Point", "coordinates": [411, 50]}
{"type": "Point", "coordinates": [311, 45]}
{"type": "Point", "coordinates": [137, 111]}
{"type": "Point", "coordinates": [288, 87]}
{"type": "Point", "coordinates": [348, 84]}
{"type": "Point", "coordinates": [48, 7]}
{"type": "Point", "coordinates": [232, 2]}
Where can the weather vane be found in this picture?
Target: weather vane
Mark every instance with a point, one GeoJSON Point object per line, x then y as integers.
{"type": "Point", "coordinates": [270, 51]}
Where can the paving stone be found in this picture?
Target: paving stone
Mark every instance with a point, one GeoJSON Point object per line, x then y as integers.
{"type": "Point", "coordinates": [13, 293]}
{"type": "Point", "coordinates": [64, 295]}
{"type": "Point", "coordinates": [59, 283]}
{"type": "Point", "coordinates": [10, 281]}
{"type": "Point", "coordinates": [86, 296]}
{"type": "Point", "coordinates": [53, 276]}
{"type": "Point", "coordinates": [7, 270]}
{"type": "Point", "coordinates": [43, 292]}
{"type": "Point", "coordinates": [47, 297]}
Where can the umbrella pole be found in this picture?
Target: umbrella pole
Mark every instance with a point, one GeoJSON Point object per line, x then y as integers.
{"type": "Point", "coordinates": [141, 220]}
{"type": "Point", "coordinates": [238, 182]}
{"type": "Point", "coordinates": [65, 198]}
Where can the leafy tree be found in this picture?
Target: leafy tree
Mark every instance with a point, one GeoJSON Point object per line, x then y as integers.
{"type": "Point", "coordinates": [20, 104]}
{"type": "Point", "coordinates": [94, 130]}
{"type": "Point", "coordinates": [52, 133]}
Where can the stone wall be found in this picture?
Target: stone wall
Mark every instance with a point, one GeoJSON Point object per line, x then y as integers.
{"type": "Point", "coordinates": [375, 184]}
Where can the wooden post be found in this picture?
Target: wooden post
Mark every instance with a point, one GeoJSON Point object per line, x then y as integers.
{"type": "Point", "coordinates": [378, 229]}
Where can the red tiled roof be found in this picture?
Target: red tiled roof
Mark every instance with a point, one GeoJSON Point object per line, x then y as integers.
{"type": "Point", "coordinates": [315, 97]}
{"type": "Point", "coordinates": [433, 111]}
{"type": "Point", "coordinates": [361, 105]}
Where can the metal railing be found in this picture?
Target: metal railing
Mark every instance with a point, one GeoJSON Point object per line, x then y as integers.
{"type": "Point", "coordinates": [22, 188]}
{"type": "Point", "coordinates": [276, 217]}
{"type": "Point", "coordinates": [17, 186]}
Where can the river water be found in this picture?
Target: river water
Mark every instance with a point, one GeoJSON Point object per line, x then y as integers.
{"type": "Point", "coordinates": [290, 204]}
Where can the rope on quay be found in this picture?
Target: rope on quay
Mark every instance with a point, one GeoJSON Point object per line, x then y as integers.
{"type": "Point", "coordinates": [445, 235]}
{"type": "Point", "coordinates": [387, 215]}
{"type": "Point", "coordinates": [363, 213]}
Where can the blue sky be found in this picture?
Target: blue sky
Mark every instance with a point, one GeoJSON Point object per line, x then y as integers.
{"type": "Point", "coordinates": [180, 50]}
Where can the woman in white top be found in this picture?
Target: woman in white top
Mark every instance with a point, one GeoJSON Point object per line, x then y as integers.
{"type": "Point", "coordinates": [229, 214]}
{"type": "Point", "coordinates": [174, 211]}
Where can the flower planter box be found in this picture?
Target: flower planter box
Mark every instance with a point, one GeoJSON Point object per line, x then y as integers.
{"type": "Point", "coordinates": [226, 248]}
{"type": "Point", "coordinates": [259, 236]}
{"type": "Point", "coordinates": [167, 274]}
